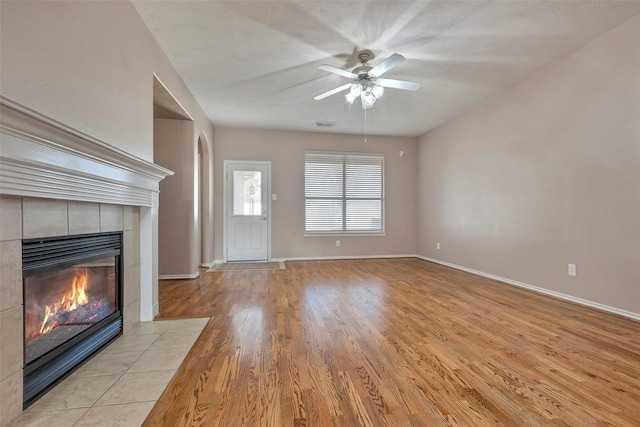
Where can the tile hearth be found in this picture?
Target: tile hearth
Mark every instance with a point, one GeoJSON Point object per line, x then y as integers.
{"type": "Point", "coordinates": [120, 385]}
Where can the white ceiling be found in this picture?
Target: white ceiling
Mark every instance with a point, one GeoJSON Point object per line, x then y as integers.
{"type": "Point", "coordinates": [255, 63]}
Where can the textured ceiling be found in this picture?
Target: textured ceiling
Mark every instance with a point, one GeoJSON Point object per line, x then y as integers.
{"type": "Point", "coordinates": [255, 63]}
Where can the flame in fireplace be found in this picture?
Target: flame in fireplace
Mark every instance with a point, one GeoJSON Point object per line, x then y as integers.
{"type": "Point", "coordinates": [70, 301]}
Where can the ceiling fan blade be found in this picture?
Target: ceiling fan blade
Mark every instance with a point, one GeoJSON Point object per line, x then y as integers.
{"type": "Point", "coordinates": [386, 65]}
{"type": "Point", "coordinates": [398, 84]}
{"type": "Point", "coordinates": [332, 91]}
{"type": "Point", "coordinates": [338, 71]}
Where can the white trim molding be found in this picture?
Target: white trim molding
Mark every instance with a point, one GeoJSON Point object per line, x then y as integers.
{"type": "Point", "coordinates": [41, 157]}
{"type": "Point", "coordinates": [179, 276]}
{"type": "Point", "coordinates": [570, 298]}
{"type": "Point", "coordinates": [325, 258]}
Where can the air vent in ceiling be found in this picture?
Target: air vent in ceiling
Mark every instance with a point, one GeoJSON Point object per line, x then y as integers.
{"type": "Point", "coordinates": [326, 124]}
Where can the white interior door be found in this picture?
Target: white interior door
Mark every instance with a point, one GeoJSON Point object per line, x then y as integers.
{"type": "Point", "coordinates": [247, 211]}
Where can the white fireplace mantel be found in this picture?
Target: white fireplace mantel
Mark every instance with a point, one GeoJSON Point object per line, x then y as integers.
{"type": "Point", "coordinates": [40, 157]}
{"type": "Point", "coordinates": [43, 158]}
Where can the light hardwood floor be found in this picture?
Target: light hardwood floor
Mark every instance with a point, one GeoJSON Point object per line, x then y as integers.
{"type": "Point", "coordinates": [399, 342]}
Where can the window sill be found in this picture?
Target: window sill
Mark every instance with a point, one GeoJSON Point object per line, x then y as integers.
{"type": "Point", "coordinates": [347, 234]}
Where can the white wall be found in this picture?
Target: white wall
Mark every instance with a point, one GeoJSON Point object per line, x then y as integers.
{"type": "Point", "coordinates": [285, 150]}
{"type": "Point", "coordinates": [544, 174]}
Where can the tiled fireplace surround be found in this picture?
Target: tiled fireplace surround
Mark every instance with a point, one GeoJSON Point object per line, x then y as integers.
{"type": "Point", "coordinates": [58, 181]}
{"type": "Point", "coordinates": [23, 218]}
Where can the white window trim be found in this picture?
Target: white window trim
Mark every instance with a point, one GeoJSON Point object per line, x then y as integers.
{"type": "Point", "coordinates": [343, 234]}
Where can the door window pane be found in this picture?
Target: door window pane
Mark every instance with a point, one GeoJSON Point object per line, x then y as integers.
{"type": "Point", "coordinates": [247, 193]}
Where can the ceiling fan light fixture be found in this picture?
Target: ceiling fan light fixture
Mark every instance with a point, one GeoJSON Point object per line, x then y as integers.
{"type": "Point", "coordinates": [366, 82]}
{"type": "Point", "coordinates": [366, 106]}
{"type": "Point", "coordinates": [377, 91]}
{"type": "Point", "coordinates": [350, 97]}
{"type": "Point", "coordinates": [367, 99]}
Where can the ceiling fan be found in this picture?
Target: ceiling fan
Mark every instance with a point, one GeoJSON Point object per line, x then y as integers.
{"type": "Point", "coordinates": [366, 81]}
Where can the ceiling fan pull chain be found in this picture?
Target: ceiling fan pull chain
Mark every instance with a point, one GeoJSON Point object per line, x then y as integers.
{"type": "Point", "coordinates": [365, 126]}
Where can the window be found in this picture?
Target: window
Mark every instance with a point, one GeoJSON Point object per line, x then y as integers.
{"type": "Point", "coordinates": [247, 196]}
{"type": "Point", "coordinates": [344, 193]}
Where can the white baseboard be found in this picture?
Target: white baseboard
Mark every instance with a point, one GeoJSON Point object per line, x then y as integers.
{"type": "Point", "coordinates": [221, 261]}
{"type": "Point", "coordinates": [207, 264]}
{"type": "Point", "coordinates": [324, 258]}
{"type": "Point", "coordinates": [179, 276]}
{"type": "Point", "coordinates": [570, 298]}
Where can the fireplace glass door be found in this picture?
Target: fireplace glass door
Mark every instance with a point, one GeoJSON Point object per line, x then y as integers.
{"type": "Point", "coordinates": [72, 288]}
{"type": "Point", "coordinates": [61, 303]}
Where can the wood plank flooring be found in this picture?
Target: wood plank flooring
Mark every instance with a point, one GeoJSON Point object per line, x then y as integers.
{"type": "Point", "coordinates": [398, 342]}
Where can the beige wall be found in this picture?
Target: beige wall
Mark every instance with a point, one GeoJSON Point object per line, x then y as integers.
{"type": "Point", "coordinates": [285, 150]}
{"type": "Point", "coordinates": [175, 148]}
{"type": "Point", "coordinates": [544, 174]}
{"type": "Point", "coordinates": [90, 66]}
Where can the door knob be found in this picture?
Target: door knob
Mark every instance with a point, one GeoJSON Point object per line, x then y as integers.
{"type": "Point", "coordinates": [262, 218]}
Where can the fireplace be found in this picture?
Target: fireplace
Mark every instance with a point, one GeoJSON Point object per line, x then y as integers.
{"type": "Point", "coordinates": [56, 180]}
{"type": "Point", "coordinates": [72, 288]}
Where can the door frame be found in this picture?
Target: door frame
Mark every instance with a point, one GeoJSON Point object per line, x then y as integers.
{"type": "Point", "coordinates": [225, 204]}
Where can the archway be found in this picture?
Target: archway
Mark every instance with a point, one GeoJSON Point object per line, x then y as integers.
{"type": "Point", "coordinates": [205, 201]}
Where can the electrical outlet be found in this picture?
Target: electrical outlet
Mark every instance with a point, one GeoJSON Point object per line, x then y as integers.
{"type": "Point", "coordinates": [337, 243]}
{"type": "Point", "coordinates": [438, 246]}
{"type": "Point", "coordinates": [572, 270]}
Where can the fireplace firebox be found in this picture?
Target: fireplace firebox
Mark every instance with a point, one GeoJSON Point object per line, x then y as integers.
{"type": "Point", "coordinates": [72, 304]}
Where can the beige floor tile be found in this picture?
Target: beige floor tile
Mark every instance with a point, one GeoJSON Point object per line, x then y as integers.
{"type": "Point", "coordinates": [175, 340]}
{"type": "Point", "coordinates": [137, 387]}
{"type": "Point", "coordinates": [131, 342]}
{"type": "Point", "coordinates": [159, 360]}
{"type": "Point", "coordinates": [75, 392]}
{"type": "Point", "coordinates": [119, 386]}
{"type": "Point", "coordinates": [182, 325]}
{"type": "Point", "coordinates": [63, 418]}
{"type": "Point", "coordinates": [144, 328]}
{"type": "Point", "coordinates": [108, 364]}
{"type": "Point", "coordinates": [126, 415]}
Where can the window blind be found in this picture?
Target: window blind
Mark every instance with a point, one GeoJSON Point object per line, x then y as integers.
{"type": "Point", "coordinates": [344, 192]}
